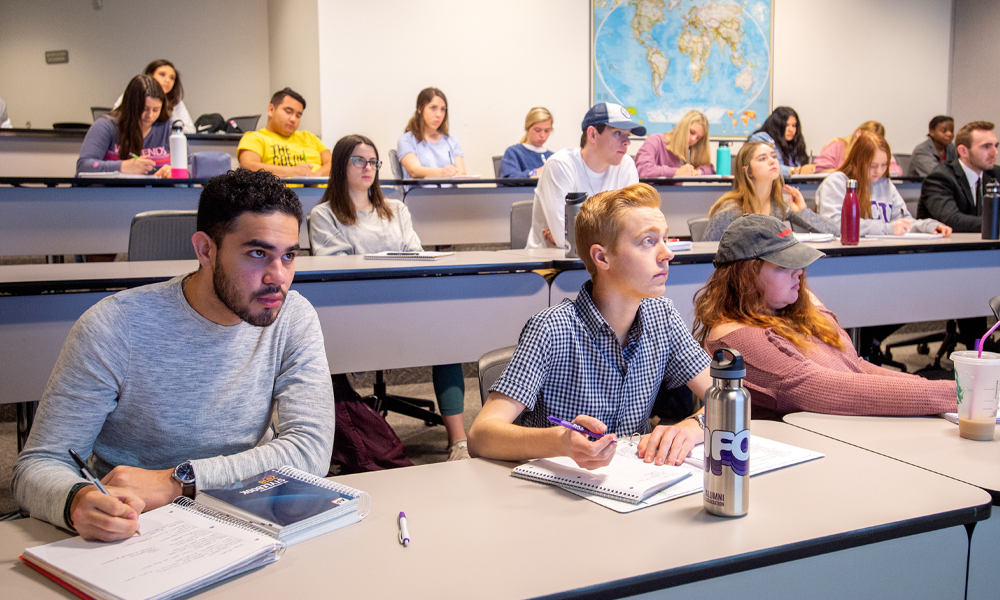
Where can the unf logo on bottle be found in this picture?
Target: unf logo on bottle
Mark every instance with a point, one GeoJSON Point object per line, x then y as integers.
{"type": "Point", "coordinates": [729, 450]}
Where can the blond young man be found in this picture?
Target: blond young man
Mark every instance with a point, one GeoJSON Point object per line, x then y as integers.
{"type": "Point", "coordinates": [598, 361]}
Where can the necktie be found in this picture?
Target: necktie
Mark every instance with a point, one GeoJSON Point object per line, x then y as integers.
{"type": "Point", "coordinates": [979, 192]}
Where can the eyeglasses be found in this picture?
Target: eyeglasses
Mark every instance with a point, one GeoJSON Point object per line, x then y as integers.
{"type": "Point", "coordinates": [360, 163]}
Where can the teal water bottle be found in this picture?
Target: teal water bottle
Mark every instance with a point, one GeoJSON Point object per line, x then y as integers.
{"type": "Point", "coordinates": [723, 160]}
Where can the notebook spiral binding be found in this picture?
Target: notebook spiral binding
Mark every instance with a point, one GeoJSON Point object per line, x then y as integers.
{"type": "Point", "coordinates": [364, 502]}
{"type": "Point", "coordinates": [189, 504]}
{"type": "Point", "coordinates": [563, 481]}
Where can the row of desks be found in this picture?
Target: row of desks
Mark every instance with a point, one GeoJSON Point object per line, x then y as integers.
{"type": "Point", "coordinates": [72, 216]}
{"type": "Point", "coordinates": [395, 314]}
{"type": "Point", "coordinates": [854, 524]}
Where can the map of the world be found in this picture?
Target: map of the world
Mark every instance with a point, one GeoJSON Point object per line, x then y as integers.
{"type": "Point", "coordinates": [662, 58]}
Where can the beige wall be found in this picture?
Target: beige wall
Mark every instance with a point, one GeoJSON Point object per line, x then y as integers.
{"type": "Point", "coordinates": [975, 88]}
{"type": "Point", "coordinates": [219, 46]}
{"type": "Point", "coordinates": [294, 55]}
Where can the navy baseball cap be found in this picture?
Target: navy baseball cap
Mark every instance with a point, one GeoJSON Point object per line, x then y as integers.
{"type": "Point", "coordinates": [613, 115]}
{"type": "Point", "coordinates": [765, 237]}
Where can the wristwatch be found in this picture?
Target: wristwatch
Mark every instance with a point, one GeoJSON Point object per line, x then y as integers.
{"type": "Point", "coordinates": [184, 474]}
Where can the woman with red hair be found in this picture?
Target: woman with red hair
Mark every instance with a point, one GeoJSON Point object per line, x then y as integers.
{"type": "Point", "coordinates": [797, 356]}
{"type": "Point", "coordinates": [883, 210]}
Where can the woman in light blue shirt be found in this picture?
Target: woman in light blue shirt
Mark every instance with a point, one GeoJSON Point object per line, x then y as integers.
{"type": "Point", "coordinates": [355, 218]}
{"type": "Point", "coordinates": [426, 149]}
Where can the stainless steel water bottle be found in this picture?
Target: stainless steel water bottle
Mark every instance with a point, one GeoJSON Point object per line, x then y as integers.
{"type": "Point", "coordinates": [727, 437]}
{"type": "Point", "coordinates": [991, 210]}
{"type": "Point", "coordinates": [574, 200]}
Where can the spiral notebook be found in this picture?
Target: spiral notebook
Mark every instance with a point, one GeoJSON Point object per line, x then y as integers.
{"type": "Point", "coordinates": [425, 255]}
{"type": "Point", "coordinates": [627, 479]}
{"type": "Point", "coordinates": [183, 548]}
{"type": "Point", "coordinates": [288, 503]}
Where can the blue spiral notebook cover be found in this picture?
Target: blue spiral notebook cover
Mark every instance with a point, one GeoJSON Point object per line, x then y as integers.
{"type": "Point", "coordinates": [279, 498]}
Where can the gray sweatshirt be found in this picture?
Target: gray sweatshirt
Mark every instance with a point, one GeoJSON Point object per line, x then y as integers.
{"type": "Point", "coordinates": [887, 206]}
{"type": "Point", "coordinates": [328, 236]}
{"type": "Point", "coordinates": [805, 218]}
{"type": "Point", "coordinates": [144, 380]}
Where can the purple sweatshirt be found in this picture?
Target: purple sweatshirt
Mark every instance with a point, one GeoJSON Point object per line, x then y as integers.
{"type": "Point", "coordinates": [654, 160]}
{"type": "Point", "coordinates": [99, 151]}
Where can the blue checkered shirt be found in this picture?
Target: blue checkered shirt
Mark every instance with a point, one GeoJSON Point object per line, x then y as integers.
{"type": "Point", "coordinates": [568, 362]}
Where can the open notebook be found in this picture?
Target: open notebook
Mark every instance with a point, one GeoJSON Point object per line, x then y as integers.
{"type": "Point", "coordinates": [628, 479]}
{"type": "Point", "coordinates": [188, 545]}
{"type": "Point", "coordinates": [765, 455]}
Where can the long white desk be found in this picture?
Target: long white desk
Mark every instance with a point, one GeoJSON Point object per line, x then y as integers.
{"type": "Point", "coordinates": [852, 524]}
{"type": "Point", "coordinates": [931, 443]}
{"type": "Point", "coordinates": [72, 216]}
{"type": "Point", "coordinates": [374, 314]}
{"type": "Point", "coordinates": [875, 283]}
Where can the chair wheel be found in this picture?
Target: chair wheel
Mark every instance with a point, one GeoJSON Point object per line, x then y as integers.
{"type": "Point", "coordinates": [923, 349]}
{"type": "Point", "coordinates": [429, 424]}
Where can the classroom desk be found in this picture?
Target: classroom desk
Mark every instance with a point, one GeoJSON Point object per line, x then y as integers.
{"type": "Point", "coordinates": [54, 152]}
{"type": "Point", "coordinates": [931, 443]}
{"type": "Point", "coordinates": [92, 216]}
{"type": "Point", "coordinates": [375, 314]}
{"type": "Point", "coordinates": [851, 524]}
{"type": "Point", "coordinates": [875, 283]}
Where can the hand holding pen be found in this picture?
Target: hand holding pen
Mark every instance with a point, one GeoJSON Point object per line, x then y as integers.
{"type": "Point", "coordinates": [99, 514]}
{"type": "Point", "coordinates": [587, 454]}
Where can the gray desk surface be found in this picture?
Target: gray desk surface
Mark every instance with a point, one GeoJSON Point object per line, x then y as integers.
{"type": "Point", "coordinates": [477, 532]}
{"type": "Point", "coordinates": [931, 443]}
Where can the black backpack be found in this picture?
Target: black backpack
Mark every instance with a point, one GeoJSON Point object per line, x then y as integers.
{"type": "Point", "coordinates": [210, 123]}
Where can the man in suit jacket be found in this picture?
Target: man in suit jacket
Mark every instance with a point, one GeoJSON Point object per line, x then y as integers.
{"type": "Point", "coordinates": [953, 191]}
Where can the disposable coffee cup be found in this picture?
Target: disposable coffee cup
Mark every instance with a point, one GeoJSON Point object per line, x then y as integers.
{"type": "Point", "coordinates": [977, 385]}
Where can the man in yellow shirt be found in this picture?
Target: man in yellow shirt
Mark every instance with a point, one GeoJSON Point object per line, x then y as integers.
{"type": "Point", "coordinates": [279, 147]}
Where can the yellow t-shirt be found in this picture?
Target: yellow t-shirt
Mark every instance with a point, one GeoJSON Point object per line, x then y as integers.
{"type": "Point", "coordinates": [275, 149]}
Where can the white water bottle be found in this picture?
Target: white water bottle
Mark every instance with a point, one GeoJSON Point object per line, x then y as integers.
{"type": "Point", "coordinates": [178, 152]}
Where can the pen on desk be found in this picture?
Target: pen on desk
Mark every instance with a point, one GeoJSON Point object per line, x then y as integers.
{"type": "Point", "coordinates": [89, 476]}
{"type": "Point", "coordinates": [576, 428]}
{"type": "Point", "coordinates": [404, 534]}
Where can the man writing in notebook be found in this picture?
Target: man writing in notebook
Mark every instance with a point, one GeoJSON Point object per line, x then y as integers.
{"type": "Point", "coordinates": [280, 147]}
{"type": "Point", "coordinates": [600, 163]}
{"type": "Point", "coordinates": [171, 387]}
{"type": "Point", "coordinates": [598, 361]}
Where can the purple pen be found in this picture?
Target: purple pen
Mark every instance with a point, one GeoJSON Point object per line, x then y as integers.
{"type": "Point", "coordinates": [404, 534]}
{"type": "Point", "coordinates": [576, 428]}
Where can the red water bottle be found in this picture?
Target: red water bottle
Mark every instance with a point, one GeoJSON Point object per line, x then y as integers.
{"type": "Point", "coordinates": [850, 216]}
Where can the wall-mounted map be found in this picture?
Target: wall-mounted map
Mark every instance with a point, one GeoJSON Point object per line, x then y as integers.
{"type": "Point", "coordinates": [662, 58]}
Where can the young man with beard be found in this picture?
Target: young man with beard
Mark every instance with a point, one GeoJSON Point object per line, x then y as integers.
{"type": "Point", "coordinates": [171, 387]}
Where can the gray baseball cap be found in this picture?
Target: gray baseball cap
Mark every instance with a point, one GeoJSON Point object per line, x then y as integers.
{"type": "Point", "coordinates": [766, 238]}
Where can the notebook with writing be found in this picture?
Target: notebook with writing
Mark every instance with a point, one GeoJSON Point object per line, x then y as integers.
{"type": "Point", "coordinates": [627, 479]}
{"type": "Point", "coordinates": [765, 455]}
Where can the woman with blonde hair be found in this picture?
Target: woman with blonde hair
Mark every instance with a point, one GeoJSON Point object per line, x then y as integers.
{"type": "Point", "coordinates": [883, 210]}
{"type": "Point", "coordinates": [759, 189]}
{"type": "Point", "coordinates": [834, 153]}
{"type": "Point", "coordinates": [681, 153]}
{"type": "Point", "coordinates": [796, 354]}
{"type": "Point", "coordinates": [527, 158]}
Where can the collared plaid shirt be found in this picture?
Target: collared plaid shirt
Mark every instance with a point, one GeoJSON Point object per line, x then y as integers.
{"type": "Point", "coordinates": [568, 362]}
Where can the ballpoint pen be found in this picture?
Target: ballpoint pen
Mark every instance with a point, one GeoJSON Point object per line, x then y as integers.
{"type": "Point", "coordinates": [577, 428]}
{"type": "Point", "coordinates": [90, 477]}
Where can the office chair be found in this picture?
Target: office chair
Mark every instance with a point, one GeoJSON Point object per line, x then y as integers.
{"type": "Point", "coordinates": [520, 223]}
{"type": "Point", "coordinates": [397, 171]}
{"type": "Point", "coordinates": [948, 339]}
{"type": "Point", "coordinates": [697, 228]}
{"type": "Point", "coordinates": [491, 365]}
{"type": "Point", "coordinates": [162, 235]}
{"type": "Point", "coordinates": [380, 400]}
{"type": "Point", "coordinates": [496, 166]}
{"type": "Point", "coordinates": [903, 160]}
{"type": "Point", "coordinates": [97, 112]}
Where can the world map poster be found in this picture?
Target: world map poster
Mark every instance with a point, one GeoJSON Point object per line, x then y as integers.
{"type": "Point", "coordinates": [661, 58]}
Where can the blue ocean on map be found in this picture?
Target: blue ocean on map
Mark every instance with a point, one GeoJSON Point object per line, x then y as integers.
{"type": "Point", "coordinates": [625, 46]}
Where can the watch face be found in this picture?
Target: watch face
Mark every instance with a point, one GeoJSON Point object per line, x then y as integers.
{"type": "Point", "coordinates": [184, 473]}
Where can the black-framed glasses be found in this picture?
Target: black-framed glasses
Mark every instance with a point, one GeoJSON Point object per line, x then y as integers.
{"type": "Point", "coordinates": [360, 163]}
